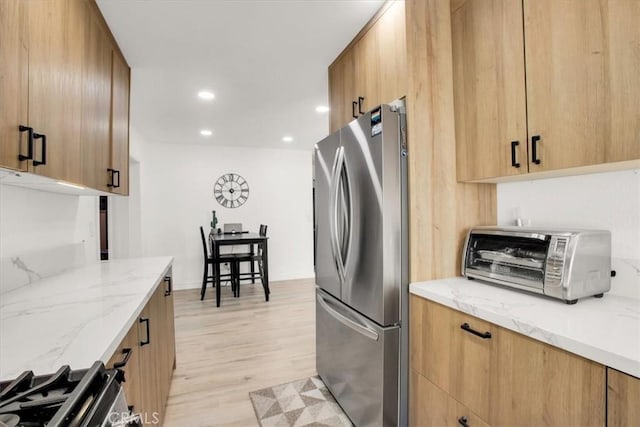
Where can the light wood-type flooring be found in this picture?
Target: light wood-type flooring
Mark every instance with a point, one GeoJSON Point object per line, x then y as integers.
{"type": "Point", "coordinates": [244, 345]}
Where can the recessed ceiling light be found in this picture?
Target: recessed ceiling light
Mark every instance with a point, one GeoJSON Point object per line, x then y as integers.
{"type": "Point", "coordinates": [206, 132]}
{"type": "Point", "coordinates": [206, 95]}
{"type": "Point", "coordinates": [322, 109]}
{"type": "Point", "coordinates": [287, 139]}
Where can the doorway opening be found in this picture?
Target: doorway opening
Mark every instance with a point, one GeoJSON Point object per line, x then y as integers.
{"type": "Point", "coordinates": [104, 229]}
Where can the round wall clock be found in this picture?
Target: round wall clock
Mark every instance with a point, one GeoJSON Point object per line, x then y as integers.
{"type": "Point", "coordinates": [231, 190]}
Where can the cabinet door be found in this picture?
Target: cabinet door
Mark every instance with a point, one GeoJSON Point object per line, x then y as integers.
{"type": "Point", "coordinates": [583, 84]}
{"type": "Point", "coordinates": [341, 90]}
{"type": "Point", "coordinates": [14, 82]}
{"type": "Point", "coordinates": [132, 373]}
{"type": "Point", "coordinates": [623, 395]}
{"type": "Point", "coordinates": [56, 46]}
{"type": "Point", "coordinates": [149, 344]}
{"type": "Point", "coordinates": [120, 123]}
{"type": "Point", "coordinates": [366, 81]}
{"type": "Point", "coordinates": [391, 48]}
{"type": "Point", "coordinates": [454, 359]}
{"type": "Point", "coordinates": [96, 107]}
{"type": "Point", "coordinates": [542, 385]}
{"type": "Point", "coordinates": [432, 407]}
{"type": "Point", "coordinates": [169, 333]}
{"type": "Point", "coordinates": [489, 89]}
{"type": "Point", "coordinates": [474, 362]}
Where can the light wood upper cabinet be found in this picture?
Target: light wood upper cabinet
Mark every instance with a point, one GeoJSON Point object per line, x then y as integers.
{"type": "Point", "coordinates": [58, 79]}
{"type": "Point", "coordinates": [372, 70]}
{"type": "Point", "coordinates": [582, 103]}
{"type": "Point", "coordinates": [120, 125]}
{"type": "Point", "coordinates": [96, 107]}
{"type": "Point", "coordinates": [489, 89]}
{"type": "Point", "coordinates": [623, 396]}
{"type": "Point", "coordinates": [464, 366]}
{"type": "Point", "coordinates": [56, 46]}
{"type": "Point", "coordinates": [391, 55]}
{"type": "Point", "coordinates": [341, 90]}
{"type": "Point", "coordinates": [14, 80]}
{"type": "Point", "coordinates": [583, 81]}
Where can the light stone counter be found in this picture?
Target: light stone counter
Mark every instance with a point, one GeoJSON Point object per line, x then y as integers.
{"type": "Point", "coordinates": [605, 330]}
{"type": "Point", "coordinates": [76, 317]}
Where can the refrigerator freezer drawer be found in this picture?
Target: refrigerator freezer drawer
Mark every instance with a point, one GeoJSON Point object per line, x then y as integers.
{"type": "Point", "coordinates": [358, 361]}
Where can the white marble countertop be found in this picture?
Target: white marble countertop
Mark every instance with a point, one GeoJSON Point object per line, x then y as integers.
{"type": "Point", "coordinates": [76, 317]}
{"type": "Point", "coordinates": [605, 330]}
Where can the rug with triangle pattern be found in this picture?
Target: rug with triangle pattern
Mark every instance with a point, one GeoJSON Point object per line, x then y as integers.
{"type": "Point", "coordinates": [305, 402]}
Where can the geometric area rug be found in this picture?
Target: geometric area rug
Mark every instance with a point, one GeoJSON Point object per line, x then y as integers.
{"type": "Point", "coordinates": [305, 402]}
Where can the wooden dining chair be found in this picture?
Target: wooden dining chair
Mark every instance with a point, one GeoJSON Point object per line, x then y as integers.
{"type": "Point", "coordinates": [208, 275]}
{"type": "Point", "coordinates": [253, 258]}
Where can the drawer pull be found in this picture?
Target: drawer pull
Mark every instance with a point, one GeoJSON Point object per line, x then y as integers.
{"type": "Point", "coordinates": [360, 101]}
{"type": "Point", "coordinates": [168, 290]}
{"type": "Point", "coordinates": [43, 149]}
{"type": "Point", "coordinates": [463, 421]}
{"type": "Point", "coordinates": [354, 104]}
{"type": "Point", "coordinates": [127, 354]}
{"type": "Point", "coordinates": [514, 160]}
{"type": "Point", "coordinates": [534, 149]}
{"type": "Point", "coordinates": [29, 131]}
{"type": "Point", "coordinates": [483, 335]}
{"type": "Point", "coordinates": [148, 340]}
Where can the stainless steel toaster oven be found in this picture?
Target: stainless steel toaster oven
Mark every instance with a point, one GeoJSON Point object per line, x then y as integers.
{"type": "Point", "coordinates": [563, 264]}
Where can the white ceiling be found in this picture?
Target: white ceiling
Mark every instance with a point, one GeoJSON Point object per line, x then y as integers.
{"type": "Point", "coordinates": [265, 60]}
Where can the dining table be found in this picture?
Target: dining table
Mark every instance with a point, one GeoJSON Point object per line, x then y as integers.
{"type": "Point", "coordinates": [218, 240]}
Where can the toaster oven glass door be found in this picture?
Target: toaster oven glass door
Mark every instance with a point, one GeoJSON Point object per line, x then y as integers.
{"type": "Point", "coordinates": [508, 259]}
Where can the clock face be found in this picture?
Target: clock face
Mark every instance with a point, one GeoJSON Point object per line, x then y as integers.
{"type": "Point", "coordinates": [231, 190]}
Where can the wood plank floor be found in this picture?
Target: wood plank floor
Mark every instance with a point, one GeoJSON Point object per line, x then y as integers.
{"type": "Point", "coordinates": [244, 345]}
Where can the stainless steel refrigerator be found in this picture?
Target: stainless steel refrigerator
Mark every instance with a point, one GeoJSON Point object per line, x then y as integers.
{"type": "Point", "coordinates": [361, 266]}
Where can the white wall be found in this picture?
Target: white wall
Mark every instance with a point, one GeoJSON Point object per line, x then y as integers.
{"type": "Point", "coordinates": [42, 234]}
{"type": "Point", "coordinates": [609, 201]}
{"type": "Point", "coordinates": [177, 197]}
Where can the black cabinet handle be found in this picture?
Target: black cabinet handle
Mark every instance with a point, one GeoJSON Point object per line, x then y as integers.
{"type": "Point", "coordinates": [534, 149]}
{"type": "Point", "coordinates": [360, 101]}
{"type": "Point", "coordinates": [353, 110]}
{"type": "Point", "coordinates": [148, 340]}
{"type": "Point", "coordinates": [483, 335]}
{"type": "Point", "coordinates": [167, 280]}
{"type": "Point", "coordinates": [127, 354]}
{"type": "Point", "coordinates": [43, 152]}
{"type": "Point", "coordinates": [29, 155]}
{"type": "Point", "coordinates": [463, 421]}
{"type": "Point", "coordinates": [514, 161]}
{"type": "Point", "coordinates": [114, 173]}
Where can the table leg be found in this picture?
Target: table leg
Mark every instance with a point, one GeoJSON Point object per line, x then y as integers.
{"type": "Point", "coordinates": [216, 257]}
{"type": "Point", "coordinates": [265, 267]}
{"type": "Point", "coordinates": [253, 264]}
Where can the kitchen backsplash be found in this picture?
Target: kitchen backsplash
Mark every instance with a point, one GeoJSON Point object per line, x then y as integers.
{"type": "Point", "coordinates": [42, 234]}
{"type": "Point", "coordinates": [609, 201]}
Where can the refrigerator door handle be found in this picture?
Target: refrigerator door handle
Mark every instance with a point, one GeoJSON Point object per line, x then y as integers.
{"type": "Point", "coordinates": [334, 213]}
{"type": "Point", "coordinates": [345, 216]}
{"type": "Point", "coordinates": [363, 330]}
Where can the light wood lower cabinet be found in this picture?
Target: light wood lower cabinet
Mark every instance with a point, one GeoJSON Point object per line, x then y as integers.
{"type": "Point", "coordinates": [623, 399]}
{"type": "Point", "coordinates": [431, 406]}
{"type": "Point", "coordinates": [464, 366]}
{"type": "Point", "coordinates": [149, 368]}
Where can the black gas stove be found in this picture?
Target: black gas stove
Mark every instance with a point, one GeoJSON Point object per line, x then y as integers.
{"type": "Point", "coordinates": [69, 398]}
